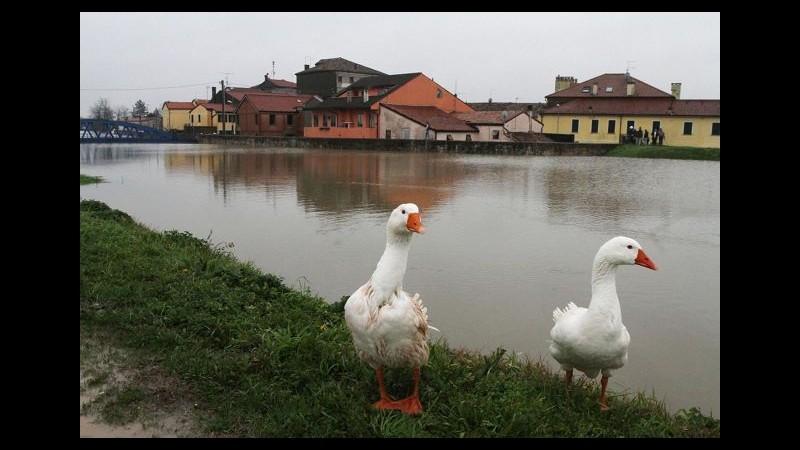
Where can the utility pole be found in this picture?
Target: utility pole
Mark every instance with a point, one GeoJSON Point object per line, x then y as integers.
{"type": "Point", "coordinates": [222, 82]}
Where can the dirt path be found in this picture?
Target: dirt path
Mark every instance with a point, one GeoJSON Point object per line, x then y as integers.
{"type": "Point", "coordinates": [137, 397]}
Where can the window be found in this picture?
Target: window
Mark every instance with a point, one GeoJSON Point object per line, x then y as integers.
{"type": "Point", "coordinates": [339, 78]}
{"type": "Point", "coordinates": [198, 119]}
{"type": "Point", "coordinates": [468, 138]}
{"type": "Point", "coordinates": [289, 119]}
{"type": "Point", "coordinates": [352, 79]}
{"type": "Point", "coordinates": [360, 121]}
{"type": "Point", "coordinates": [630, 124]}
{"type": "Point", "coordinates": [612, 126]}
{"type": "Point", "coordinates": [575, 125]}
{"type": "Point", "coordinates": [609, 88]}
{"type": "Point", "coordinates": [595, 125]}
{"type": "Point", "coordinates": [333, 120]}
{"type": "Point", "coordinates": [687, 128]}
{"type": "Point", "coordinates": [388, 134]}
{"type": "Point", "coordinates": [373, 120]}
{"type": "Point", "coordinates": [715, 129]}
{"type": "Point", "coordinates": [449, 137]}
{"type": "Point", "coordinates": [656, 125]}
{"type": "Point", "coordinates": [586, 89]}
{"type": "Point", "coordinates": [324, 120]}
{"type": "Point", "coordinates": [191, 118]}
{"type": "Point", "coordinates": [316, 120]}
{"type": "Point", "coordinates": [495, 134]}
{"type": "Point", "coordinates": [256, 118]}
{"type": "Point", "coordinates": [438, 93]}
{"type": "Point", "coordinates": [272, 119]}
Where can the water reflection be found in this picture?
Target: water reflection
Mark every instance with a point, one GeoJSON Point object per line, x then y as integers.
{"type": "Point", "coordinates": [509, 238]}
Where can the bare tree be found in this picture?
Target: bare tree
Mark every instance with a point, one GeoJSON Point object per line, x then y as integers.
{"type": "Point", "coordinates": [122, 113]}
{"type": "Point", "coordinates": [139, 109]}
{"type": "Point", "coordinates": [101, 110]}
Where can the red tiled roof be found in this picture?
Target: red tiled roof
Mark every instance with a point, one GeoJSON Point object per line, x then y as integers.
{"type": "Point", "coordinates": [179, 105]}
{"type": "Point", "coordinates": [487, 117]}
{"type": "Point", "coordinates": [283, 83]}
{"type": "Point", "coordinates": [638, 107]}
{"type": "Point", "coordinates": [616, 81]}
{"type": "Point", "coordinates": [267, 102]}
{"type": "Point", "coordinates": [239, 93]}
{"type": "Point", "coordinates": [437, 119]}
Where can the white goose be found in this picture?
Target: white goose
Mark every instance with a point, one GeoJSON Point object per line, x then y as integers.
{"type": "Point", "coordinates": [594, 339]}
{"type": "Point", "coordinates": [389, 326]}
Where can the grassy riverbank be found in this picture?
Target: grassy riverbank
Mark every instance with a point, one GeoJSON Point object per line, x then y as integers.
{"type": "Point", "coordinates": [260, 359]}
{"type": "Point", "coordinates": [665, 151]}
{"type": "Point", "coordinates": [88, 179]}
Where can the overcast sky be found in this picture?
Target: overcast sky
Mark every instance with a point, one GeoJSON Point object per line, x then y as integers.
{"type": "Point", "coordinates": [507, 56]}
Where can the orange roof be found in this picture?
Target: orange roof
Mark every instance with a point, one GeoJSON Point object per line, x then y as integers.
{"type": "Point", "coordinates": [179, 105]}
{"type": "Point", "coordinates": [275, 102]}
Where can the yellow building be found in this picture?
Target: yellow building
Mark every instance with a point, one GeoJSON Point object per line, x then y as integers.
{"type": "Point", "coordinates": [211, 115]}
{"type": "Point", "coordinates": [602, 109]}
{"type": "Point", "coordinates": [175, 115]}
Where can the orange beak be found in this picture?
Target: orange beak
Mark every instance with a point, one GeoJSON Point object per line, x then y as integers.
{"type": "Point", "coordinates": [643, 260]}
{"type": "Point", "coordinates": [414, 223]}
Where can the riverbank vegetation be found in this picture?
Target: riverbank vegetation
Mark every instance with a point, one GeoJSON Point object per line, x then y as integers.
{"type": "Point", "coordinates": [260, 359]}
{"type": "Point", "coordinates": [665, 151]}
{"type": "Point", "coordinates": [88, 179]}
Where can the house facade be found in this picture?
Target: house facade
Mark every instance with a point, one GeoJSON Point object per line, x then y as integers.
{"type": "Point", "coordinates": [330, 76]}
{"type": "Point", "coordinates": [272, 114]}
{"type": "Point", "coordinates": [215, 117]}
{"type": "Point", "coordinates": [175, 115]}
{"type": "Point", "coordinates": [602, 109]}
{"type": "Point", "coordinates": [422, 122]}
{"type": "Point", "coordinates": [356, 111]}
{"type": "Point", "coordinates": [498, 125]}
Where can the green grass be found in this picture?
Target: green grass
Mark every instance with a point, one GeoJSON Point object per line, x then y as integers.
{"type": "Point", "coordinates": [665, 151]}
{"type": "Point", "coordinates": [262, 359]}
{"type": "Point", "coordinates": [88, 179]}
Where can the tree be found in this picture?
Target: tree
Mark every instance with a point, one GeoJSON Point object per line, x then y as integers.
{"type": "Point", "coordinates": [122, 113]}
{"type": "Point", "coordinates": [101, 110]}
{"type": "Point", "coordinates": [139, 109]}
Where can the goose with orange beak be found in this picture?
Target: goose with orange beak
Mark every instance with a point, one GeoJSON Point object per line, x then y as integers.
{"type": "Point", "coordinates": [389, 326]}
{"type": "Point", "coordinates": [593, 339]}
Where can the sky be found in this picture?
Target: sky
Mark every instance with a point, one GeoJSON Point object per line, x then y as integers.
{"type": "Point", "coordinates": [158, 57]}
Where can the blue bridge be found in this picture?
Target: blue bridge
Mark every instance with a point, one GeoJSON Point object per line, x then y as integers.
{"type": "Point", "coordinates": [114, 131]}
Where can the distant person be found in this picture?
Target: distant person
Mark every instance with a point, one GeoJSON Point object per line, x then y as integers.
{"type": "Point", "coordinates": [631, 135]}
{"type": "Point", "coordinates": [639, 136]}
{"type": "Point", "coordinates": [646, 138]}
{"type": "Point", "coordinates": [660, 136]}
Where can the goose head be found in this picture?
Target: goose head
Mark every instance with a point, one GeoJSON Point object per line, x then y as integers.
{"type": "Point", "coordinates": [405, 220]}
{"type": "Point", "coordinates": [624, 250]}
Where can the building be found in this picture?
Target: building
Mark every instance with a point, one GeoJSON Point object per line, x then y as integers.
{"type": "Point", "coordinates": [276, 86]}
{"type": "Point", "coordinates": [175, 115]}
{"type": "Point", "coordinates": [356, 112]}
{"type": "Point", "coordinates": [602, 109]}
{"type": "Point", "coordinates": [330, 76]}
{"type": "Point", "coordinates": [272, 114]}
{"type": "Point", "coordinates": [608, 85]}
{"type": "Point", "coordinates": [214, 118]}
{"type": "Point", "coordinates": [498, 125]}
{"type": "Point", "coordinates": [423, 122]}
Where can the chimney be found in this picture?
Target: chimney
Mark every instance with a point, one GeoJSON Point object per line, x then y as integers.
{"type": "Point", "coordinates": [266, 77]}
{"type": "Point", "coordinates": [594, 89]}
{"type": "Point", "coordinates": [630, 88]}
{"type": "Point", "coordinates": [676, 90]}
{"type": "Point", "coordinates": [213, 92]}
{"type": "Point", "coordinates": [565, 82]}
{"type": "Point", "coordinates": [305, 67]}
{"type": "Point", "coordinates": [366, 95]}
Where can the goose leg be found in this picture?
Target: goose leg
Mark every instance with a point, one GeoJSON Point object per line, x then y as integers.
{"type": "Point", "coordinates": [385, 401]}
{"type": "Point", "coordinates": [603, 384]}
{"type": "Point", "coordinates": [412, 405]}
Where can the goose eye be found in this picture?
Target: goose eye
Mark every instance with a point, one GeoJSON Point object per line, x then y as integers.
{"type": "Point", "coordinates": [403, 211]}
{"type": "Point", "coordinates": [630, 246]}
